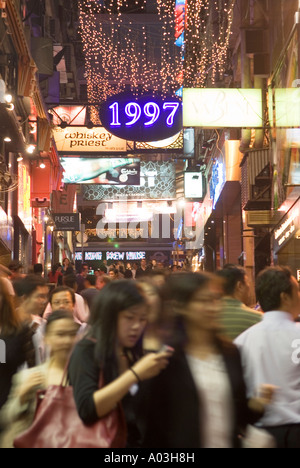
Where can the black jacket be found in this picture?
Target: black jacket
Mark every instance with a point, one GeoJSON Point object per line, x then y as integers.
{"type": "Point", "coordinates": [173, 409]}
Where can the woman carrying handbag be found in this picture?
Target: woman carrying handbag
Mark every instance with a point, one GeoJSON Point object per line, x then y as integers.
{"type": "Point", "coordinates": [113, 349]}
{"type": "Point", "coordinates": [18, 413]}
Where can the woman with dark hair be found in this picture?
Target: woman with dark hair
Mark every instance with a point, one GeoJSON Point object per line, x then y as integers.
{"type": "Point", "coordinates": [18, 413]}
{"type": "Point", "coordinates": [55, 276]}
{"type": "Point", "coordinates": [113, 347]}
{"type": "Point", "coordinates": [200, 400]}
{"type": "Point", "coordinates": [16, 343]}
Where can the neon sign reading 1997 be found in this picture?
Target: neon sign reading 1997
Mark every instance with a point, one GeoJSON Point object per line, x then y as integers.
{"type": "Point", "coordinates": [151, 111]}
{"type": "Point", "coordinates": [144, 118]}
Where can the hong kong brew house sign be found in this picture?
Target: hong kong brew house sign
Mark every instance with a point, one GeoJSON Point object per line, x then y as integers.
{"type": "Point", "coordinates": [67, 221]}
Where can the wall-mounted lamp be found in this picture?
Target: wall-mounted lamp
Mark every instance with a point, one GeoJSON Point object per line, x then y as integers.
{"type": "Point", "coordinates": [30, 149]}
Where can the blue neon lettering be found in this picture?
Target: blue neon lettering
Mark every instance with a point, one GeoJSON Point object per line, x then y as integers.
{"type": "Point", "coordinates": [153, 115]}
{"type": "Point", "coordinates": [136, 114]}
{"type": "Point", "coordinates": [115, 115]}
{"type": "Point", "coordinates": [174, 106]}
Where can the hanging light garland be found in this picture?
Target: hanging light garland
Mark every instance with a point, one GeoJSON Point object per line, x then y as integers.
{"type": "Point", "coordinates": [121, 53]}
{"type": "Point", "coordinates": [208, 31]}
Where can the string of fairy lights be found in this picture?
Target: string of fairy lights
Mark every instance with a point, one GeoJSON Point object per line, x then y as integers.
{"type": "Point", "coordinates": [208, 31]}
{"type": "Point", "coordinates": [123, 51]}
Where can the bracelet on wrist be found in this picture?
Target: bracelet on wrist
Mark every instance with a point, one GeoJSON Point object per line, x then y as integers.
{"type": "Point", "coordinates": [135, 374]}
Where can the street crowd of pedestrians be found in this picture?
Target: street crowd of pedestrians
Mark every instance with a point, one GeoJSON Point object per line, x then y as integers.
{"type": "Point", "coordinates": [190, 359]}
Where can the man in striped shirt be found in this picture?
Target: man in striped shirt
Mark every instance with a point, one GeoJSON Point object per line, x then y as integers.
{"type": "Point", "coordinates": [236, 317]}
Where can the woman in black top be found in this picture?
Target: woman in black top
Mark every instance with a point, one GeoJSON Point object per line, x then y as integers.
{"type": "Point", "coordinates": [16, 342]}
{"type": "Point", "coordinates": [113, 347]}
{"type": "Point", "coordinates": [200, 400]}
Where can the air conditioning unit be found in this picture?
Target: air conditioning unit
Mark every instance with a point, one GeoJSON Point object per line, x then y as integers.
{"type": "Point", "coordinates": [263, 218]}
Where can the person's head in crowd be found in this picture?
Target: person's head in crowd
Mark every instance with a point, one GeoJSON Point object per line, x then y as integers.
{"type": "Point", "coordinates": [16, 270]}
{"type": "Point", "coordinates": [143, 264]}
{"type": "Point", "coordinates": [158, 277]}
{"type": "Point", "coordinates": [175, 268]}
{"type": "Point", "coordinates": [236, 283]}
{"type": "Point", "coordinates": [160, 266]}
{"type": "Point", "coordinates": [70, 271]}
{"type": "Point", "coordinates": [63, 298]}
{"type": "Point", "coordinates": [278, 290]}
{"type": "Point", "coordinates": [90, 282]}
{"type": "Point", "coordinates": [33, 292]}
{"type": "Point", "coordinates": [103, 269]}
{"type": "Point", "coordinates": [66, 264]}
{"type": "Point", "coordinates": [135, 266]}
{"type": "Point", "coordinates": [70, 281]}
{"type": "Point", "coordinates": [56, 268]}
{"type": "Point", "coordinates": [121, 270]}
{"type": "Point", "coordinates": [102, 281]}
{"type": "Point", "coordinates": [153, 298]}
{"type": "Point", "coordinates": [84, 270]}
{"type": "Point", "coordinates": [10, 320]}
{"type": "Point", "coordinates": [60, 335]}
{"type": "Point", "coordinates": [193, 302]}
{"type": "Point", "coordinates": [38, 269]}
{"type": "Point", "coordinates": [113, 274]}
{"type": "Point", "coordinates": [128, 266]}
{"type": "Point", "coordinates": [118, 320]}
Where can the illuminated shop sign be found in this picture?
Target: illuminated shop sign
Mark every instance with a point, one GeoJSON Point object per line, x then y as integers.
{"type": "Point", "coordinates": [71, 115]}
{"type": "Point", "coordinates": [193, 185]}
{"type": "Point", "coordinates": [180, 21]}
{"type": "Point", "coordinates": [217, 182]}
{"type": "Point", "coordinates": [67, 221]}
{"type": "Point", "coordinates": [115, 256]}
{"type": "Point", "coordinates": [287, 228]}
{"type": "Point", "coordinates": [116, 171]}
{"type": "Point", "coordinates": [82, 140]}
{"type": "Point", "coordinates": [219, 108]}
{"type": "Point", "coordinates": [143, 118]}
{"type": "Point", "coordinates": [287, 107]}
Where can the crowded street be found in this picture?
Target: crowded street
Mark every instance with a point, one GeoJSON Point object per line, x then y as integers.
{"type": "Point", "coordinates": [149, 226]}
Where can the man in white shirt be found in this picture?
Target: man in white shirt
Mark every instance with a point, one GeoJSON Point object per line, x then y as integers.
{"type": "Point", "coordinates": [270, 354]}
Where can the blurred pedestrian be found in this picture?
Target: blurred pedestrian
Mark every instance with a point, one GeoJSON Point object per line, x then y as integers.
{"type": "Point", "coordinates": [4, 275]}
{"type": "Point", "coordinates": [236, 317]}
{"type": "Point", "coordinates": [143, 270]}
{"type": "Point", "coordinates": [102, 281]}
{"type": "Point", "coordinates": [33, 293]}
{"type": "Point", "coordinates": [113, 274]}
{"type": "Point", "coordinates": [200, 399]}
{"type": "Point", "coordinates": [270, 353]}
{"type": "Point", "coordinates": [153, 333]}
{"type": "Point", "coordinates": [113, 347]}
{"type": "Point", "coordinates": [38, 269]}
{"type": "Point", "coordinates": [16, 271]}
{"type": "Point", "coordinates": [18, 413]}
{"type": "Point", "coordinates": [55, 275]}
{"type": "Point", "coordinates": [66, 264]}
{"type": "Point", "coordinates": [18, 346]}
{"type": "Point", "coordinates": [80, 278]}
{"type": "Point", "coordinates": [90, 291]}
